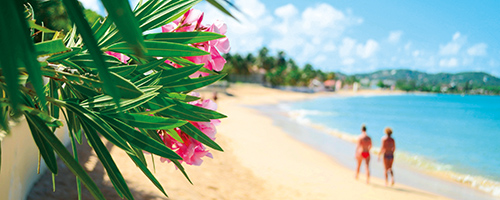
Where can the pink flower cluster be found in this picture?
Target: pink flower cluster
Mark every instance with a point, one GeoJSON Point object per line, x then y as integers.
{"type": "Point", "coordinates": [190, 149]}
{"type": "Point", "coordinates": [191, 21]}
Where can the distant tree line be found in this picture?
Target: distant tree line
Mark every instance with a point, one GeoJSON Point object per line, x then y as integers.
{"type": "Point", "coordinates": [277, 70]}
{"type": "Point", "coordinates": [462, 88]}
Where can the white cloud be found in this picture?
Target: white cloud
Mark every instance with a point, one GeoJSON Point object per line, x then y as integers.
{"type": "Point", "coordinates": [408, 46]}
{"type": "Point", "coordinates": [321, 16]}
{"type": "Point", "coordinates": [367, 50]}
{"type": "Point", "coordinates": [348, 61]}
{"type": "Point", "coordinates": [394, 36]}
{"type": "Point", "coordinates": [478, 49]}
{"type": "Point", "coordinates": [454, 46]}
{"type": "Point", "coordinates": [245, 35]}
{"type": "Point", "coordinates": [329, 47]}
{"type": "Point", "coordinates": [318, 60]}
{"type": "Point", "coordinates": [415, 53]}
{"type": "Point", "coordinates": [452, 62]}
{"type": "Point", "coordinates": [286, 11]}
{"type": "Point", "coordinates": [346, 47]}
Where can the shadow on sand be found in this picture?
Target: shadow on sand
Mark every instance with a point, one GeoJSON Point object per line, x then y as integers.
{"type": "Point", "coordinates": [402, 189]}
{"type": "Point", "coordinates": [65, 181]}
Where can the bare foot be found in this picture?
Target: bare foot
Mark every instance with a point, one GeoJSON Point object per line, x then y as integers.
{"type": "Point", "coordinates": [392, 182]}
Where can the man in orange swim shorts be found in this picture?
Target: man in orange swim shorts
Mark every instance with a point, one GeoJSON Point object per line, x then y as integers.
{"type": "Point", "coordinates": [363, 146]}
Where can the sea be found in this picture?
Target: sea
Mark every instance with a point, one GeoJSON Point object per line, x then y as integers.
{"type": "Point", "coordinates": [454, 137]}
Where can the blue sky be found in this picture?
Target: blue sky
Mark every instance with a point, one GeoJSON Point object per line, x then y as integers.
{"type": "Point", "coordinates": [353, 36]}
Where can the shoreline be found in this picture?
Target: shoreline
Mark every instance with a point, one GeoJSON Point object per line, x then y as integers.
{"type": "Point", "coordinates": [447, 184]}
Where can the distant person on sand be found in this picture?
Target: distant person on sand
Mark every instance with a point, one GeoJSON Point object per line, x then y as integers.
{"type": "Point", "coordinates": [215, 96]}
{"type": "Point", "coordinates": [363, 146]}
{"type": "Point", "coordinates": [388, 148]}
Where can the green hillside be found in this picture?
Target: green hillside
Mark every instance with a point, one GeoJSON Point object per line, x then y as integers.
{"type": "Point", "coordinates": [462, 82]}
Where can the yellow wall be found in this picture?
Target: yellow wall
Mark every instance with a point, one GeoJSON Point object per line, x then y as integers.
{"type": "Point", "coordinates": [18, 171]}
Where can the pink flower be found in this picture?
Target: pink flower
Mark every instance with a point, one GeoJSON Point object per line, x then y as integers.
{"type": "Point", "coordinates": [189, 149]}
{"type": "Point", "coordinates": [122, 57]}
{"type": "Point", "coordinates": [191, 21]}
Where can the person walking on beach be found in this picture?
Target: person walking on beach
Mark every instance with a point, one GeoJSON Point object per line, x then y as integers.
{"type": "Point", "coordinates": [363, 146]}
{"type": "Point", "coordinates": [388, 148]}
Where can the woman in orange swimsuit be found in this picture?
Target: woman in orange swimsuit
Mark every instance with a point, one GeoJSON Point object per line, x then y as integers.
{"type": "Point", "coordinates": [388, 148]}
{"type": "Point", "coordinates": [363, 146]}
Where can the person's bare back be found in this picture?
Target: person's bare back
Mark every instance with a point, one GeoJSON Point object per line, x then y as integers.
{"type": "Point", "coordinates": [387, 149]}
{"type": "Point", "coordinates": [363, 146]}
{"type": "Point", "coordinates": [388, 145]}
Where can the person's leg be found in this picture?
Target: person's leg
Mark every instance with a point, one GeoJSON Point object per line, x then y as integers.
{"type": "Point", "coordinates": [359, 165]}
{"type": "Point", "coordinates": [367, 169]}
{"type": "Point", "coordinates": [386, 169]}
{"type": "Point", "coordinates": [390, 168]}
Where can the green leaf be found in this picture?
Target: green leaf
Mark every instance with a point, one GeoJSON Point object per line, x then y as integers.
{"type": "Point", "coordinates": [184, 37]}
{"type": "Point", "coordinates": [185, 62]}
{"type": "Point", "coordinates": [178, 96]}
{"type": "Point", "coordinates": [140, 140]}
{"type": "Point", "coordinates": [119, 11]}
{"type": "Point", "coordinates": [97, 123]}
{"type": "Point", "coordinates": [180, 167]}
{"type": "Point", "coordinates": [148, 122]}
{"type": "Point", "coordinates": [195, 133]}
{"type": "Point", "coordinates": [166, 12]}
{"type": "Point", "coordinates": [15, 33]}
{"type": "Point", "coordinates": [104, 26]}
{"type": "Point", "coordinates": [145, 9]}
{"type": "Point", "coordinates": [54, 93]}
{"type": "Point", "coordinates": [153, 134]}
{"type": "Point", "coordinates": [177, 112]}
{"type": "Point", "coordinates": [43, 146]}
{"type": "Point", "coordinates": [148, 173]}
{"type": "Point", "coordinates": [151, 65]}
{"type": "Point", "coordinates": [104, 156]}
{"type": "Point", "coordinates": [32, 24]}
{"type": "Point", "coordinates": [140, 154]}
{"type": "Point", "coordinates": [51, 47]}
{"type": "Point", "coordinates": [4, 117]}
{"type": "Point", "coordinates": [123, 70]}
{"type": "Point", "coordinates": [46, 118]}
{"type": "Point", "coordinates": [191, 84]}
{"type": "Point", "coordinates": [70, 162]}
{"type": "Point", "coordinates": [127, 89]}
{"type": "Point", "coordinates": [152, 112]}
{"type": "Point", "coordinates": [62, 56]}
{"type": "Point", "coordinates": [170, 76]}
{"type": "Point", "coordinates": [174, 135]}
{"type": "Point", "coordinates": [160, 49]}
{"type": "Point", "coordinates": [75, 155]}
{"type": "Point", "coordinates": [76, 15]}
{"type": "Point", "coordinates": [150, 80]}
{"type": "Point", "coordinates": [131, 103]}
{"type": "Point", "coordinates": [86, 60]}
{"type": "Point", "coordinates": [207, 113]}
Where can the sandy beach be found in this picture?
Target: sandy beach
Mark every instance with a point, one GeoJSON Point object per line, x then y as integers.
{"type": "Point", "coordinates": [260, 161]}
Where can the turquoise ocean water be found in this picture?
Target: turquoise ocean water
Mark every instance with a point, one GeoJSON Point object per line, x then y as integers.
{"type": "Point", "coordinates": [452, 135]}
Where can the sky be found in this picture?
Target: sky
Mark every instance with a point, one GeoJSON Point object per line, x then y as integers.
{"type": "Point", "coordinates": [354, 36]}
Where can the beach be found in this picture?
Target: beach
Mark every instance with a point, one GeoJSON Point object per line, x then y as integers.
{"type": "Point", "coordinates": [260, 161]}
